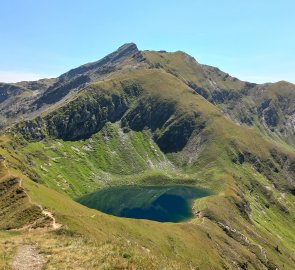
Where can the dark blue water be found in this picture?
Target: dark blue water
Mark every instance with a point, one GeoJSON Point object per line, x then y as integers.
{"type": "Point", "coordinates": [159, 203]}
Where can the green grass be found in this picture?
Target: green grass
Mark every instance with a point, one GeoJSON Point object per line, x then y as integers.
{"type": "Point", "coordinates": [214, 170]}
{"type": "Point", "coordinates": [108, 157]}
{"type": "Point", "coordinates": [185, 68]}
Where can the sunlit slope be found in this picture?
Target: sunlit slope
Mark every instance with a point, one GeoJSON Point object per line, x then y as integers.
{"type": "Point", "coordinates": [203, 243]}
{"type": "Point", "coordinates": [220, 235]}
{"type": "Point", "coordinates": [267, 107]}
{"type": "Point", "coordinates": [205, 78]}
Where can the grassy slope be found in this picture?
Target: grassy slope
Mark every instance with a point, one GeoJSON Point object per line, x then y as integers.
{"type": "Point", "coordinates": [109, 156]}
{"type": "Point", "coordinates": [165, 241]}
{"type": "Point", "coordinates": [210, 79]}
{"type": "Point", "coordinates": [124, 236]}
{"type": "Point", "coordinates": [15, 207]}
{"type": "Point", "coordinates": [187, 69]}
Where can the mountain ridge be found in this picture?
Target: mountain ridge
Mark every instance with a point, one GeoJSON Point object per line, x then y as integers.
{"type": "Point", "coordinates": [216, 86]}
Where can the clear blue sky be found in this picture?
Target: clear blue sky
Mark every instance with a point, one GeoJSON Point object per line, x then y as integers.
{"type": "Point", "coordinates": [251, 39]}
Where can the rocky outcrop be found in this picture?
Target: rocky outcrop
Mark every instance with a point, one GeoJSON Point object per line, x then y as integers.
{"type": "Point", "coordinates": [82, 119]}
{"type": "Point", "coordinates": [271, 117]}
{"type": "Point", "coordinates": [9, 90]}
{"type": "Point", "coordinates": [177, 132]}
{"type": "Point", "coordinates": [149, 113]}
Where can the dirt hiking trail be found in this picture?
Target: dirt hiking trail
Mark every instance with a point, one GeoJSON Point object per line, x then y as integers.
{"type": "Point", "coordinates": [28, 258]}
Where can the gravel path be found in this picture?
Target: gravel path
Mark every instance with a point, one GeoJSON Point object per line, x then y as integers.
{"type": "Point", "coordinates": [28, 258]}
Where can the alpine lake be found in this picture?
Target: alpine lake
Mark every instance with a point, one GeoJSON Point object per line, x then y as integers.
{"type": "Point", "coordinates": [171, 203]}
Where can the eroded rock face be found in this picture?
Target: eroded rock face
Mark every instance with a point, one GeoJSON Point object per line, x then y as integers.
{"type": "Point", "coordinates": [201, 91]}
{"type": "Point", "coordinates": [60, 89]}
{"type": "Point", "coordinates": [271, 117]}
{"type": "Point", "coordinates": [102, 65]}
{"type": "Point", "coordinates": [268, 113]}
{"type": "Point", "coordinates": [287, 164]}
{"type": "Point", "coordinates": [8, 90]}
{"type": "Point", "coordinates": [279, 169]}
{"type": "Point", "coordinates": [148, 113]}
{"type": "Point", "coordinates": [176, 134]}
{"type": "Point", "coordinates": [83, 121]}
{"type": "Point", "coordinates": [223, 95]}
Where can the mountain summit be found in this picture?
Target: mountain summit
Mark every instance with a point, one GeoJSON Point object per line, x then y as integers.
{"type": "Point", "coordinates": [125, 51]}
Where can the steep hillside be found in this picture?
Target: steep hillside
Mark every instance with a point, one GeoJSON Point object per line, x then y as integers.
{"type": "Point", "coordinates": [155, 118]}
{"type": "Point", "coordinates": [270, 108]}
{"type": "Point", "coordinates": [267, 107]}
{"type": "Point", "coordinates": [16, 210]}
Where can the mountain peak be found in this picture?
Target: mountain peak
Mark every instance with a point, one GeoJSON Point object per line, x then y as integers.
{"type": "Point", "coordinates": [128, 47]}
{"type": "Point", "coordinates": [125, 50]}
{"type": "Point", "coordinates": [122, 52]}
